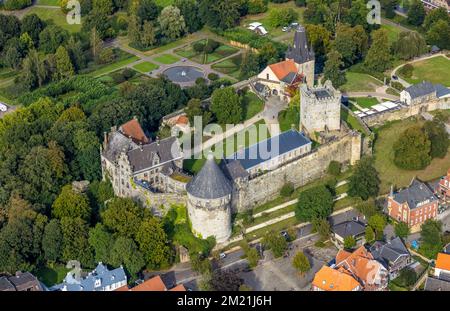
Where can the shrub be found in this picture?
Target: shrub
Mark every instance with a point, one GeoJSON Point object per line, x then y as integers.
{"type": "Point", "coordinates": [118, 77]}
{"type": "Point", "coordinates": [106, 56]}
{"type": "Point", "coordinates": [406, 70]}
{"type": "Point", "coordinates": [200, 81]}
{"type": "Point", "coordinates": [334, 168]}
{"type": "Point", "coordinates": [257, 6]}
{"type": "Point", "coordinates": [349, 242]}
{"type": "Point", "coordinates": [213, 76]}
{"type": "Point", "coordinates": [128, 73]}
{"type": "Point", "coordinates": [210, 46]}
{"type": "Point", "coordinates": [16, 4]}
{"type": "Point", "coordinates": [397, 85]}
{"type": "Point", "coordinates": [198, 47]}
{"type": "Point", "coordinates": [287, 190]}
{"type": "Point", "coordinates": [300, 3]}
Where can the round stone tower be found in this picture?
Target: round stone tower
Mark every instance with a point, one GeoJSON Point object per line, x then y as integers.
{"type": "Point", "coordinates": [208, 204]}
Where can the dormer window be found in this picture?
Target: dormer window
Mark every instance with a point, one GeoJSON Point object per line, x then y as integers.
{"type": "Point", "coordinates": [98, 283]}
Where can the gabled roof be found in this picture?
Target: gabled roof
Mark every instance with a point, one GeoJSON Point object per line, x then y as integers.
{"type": "Point", "coordinates": [443, 261]}
{"type": "Point", "coordinates": [154, 284]}
{"type": "Point", "coordinates": [210, 182]}
{"type": "Point", "coordinates": [142, 157]}
{"type": "Point", "coordinates": [441, 90]}
{"type": "Point", "coordinates": [283, 69]}
{"type": "Point", "coordinates": [133, 130]}
{"type": "Point", "coordinates": [349, 228]}
{"type": "Point", "coordinates": [420, 89]}
{"type": "Point", "coordinates": [269, 148]}
{"type": "Point", "coordinates": [329, 279]}
{"type": "Point", "coordinates": [390, 252]}
{"type": "Point", "coordinates": [178, 288]}
{"type": "Point", "coordinates": [416, 193]}
{"type": "Point", "coordinates": [435, 285]}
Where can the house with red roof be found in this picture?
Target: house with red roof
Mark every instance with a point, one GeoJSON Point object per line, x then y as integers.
{"type": "Point", "coordinates": [283, 78]}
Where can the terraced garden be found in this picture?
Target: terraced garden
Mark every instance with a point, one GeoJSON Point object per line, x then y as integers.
{"type": "Point", "coordinates": [230, 66]}
{"type": "Point", "coordinates": [220, 52]}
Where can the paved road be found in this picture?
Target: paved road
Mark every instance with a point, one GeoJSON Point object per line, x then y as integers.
{"type": "Point", "coordinates": [183, 272]}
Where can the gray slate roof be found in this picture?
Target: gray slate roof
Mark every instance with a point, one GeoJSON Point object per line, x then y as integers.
{"type": "Point", "coordinates": [420, 89]}
{"type": "Point", "coordinates": [6, 285]}
{"type": "Point", "coordinates": [416, 193]}
{"type": "Point", "coordinates": [210, 182]}
{"type": "Point", "coordinates": [434, 285]}
{"type": "Point", "coordinates": [167, 150]}
{"type": "Point", "coordinates": [300, 51]}
{"type": "Point", "coordinates": [116, 144]}
{"type": "Point", "coordinates": [262, 151]}
{"type": "Point", "coordinates": [21, 281]}
{"type": "Point", "coordinates": [441, 90]}
{"type": "Point", "coordinates": [389, 252]}
{"type": "Point", "coordinates": [101, 272]}
{"type": "Point", "coordinates": [349, 228]}
{"type": "Point", "coordinates": [234, 170]}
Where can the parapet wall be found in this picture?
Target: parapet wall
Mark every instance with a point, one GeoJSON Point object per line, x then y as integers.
{"type": "Point", "coordinates": [407, 112]}
{"type": "Point", "coordinates": [306, 169]}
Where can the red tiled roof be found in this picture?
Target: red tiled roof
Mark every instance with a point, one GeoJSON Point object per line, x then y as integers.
{"type": "Point", "coordinates": [443, 261]}
{"type": "Point", "coordinates": [282, 69]}
{"type": "Point", "coordinates": [154, 284]}
{"type": "Point", "coordinates": [329, 279]}
{"type": "Point", "coordinates": [183, 120]}
{"type": "Point", "coordinates": [134, 130]}
{"type": "Point", "coordinates": [178, 288]}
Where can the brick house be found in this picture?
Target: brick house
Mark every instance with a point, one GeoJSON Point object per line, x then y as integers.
{"type": "Point", "coordinates": [443, 188]}
{"type": "Point", "coordinates": [413, 205]}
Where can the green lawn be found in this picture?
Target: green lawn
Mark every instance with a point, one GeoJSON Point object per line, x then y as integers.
{"type": "Point", "coordinates": [288, 117]}
{"type": "Point", "coordinates": [48, 2]}
{"type": "Point", "coordinates": [52, 275]}
{"type": "Point", "coordinates": [252, 105]}
{"type": "Point", "coordinates": [435, 70]}
{"type": "Point", "coordinates": [392, 31]}
{"type": "Point", "coordinates": [114, 66]}
{"type": "Point", "coordinates": [384, 156]}
{"type": "Point", "coordinates": [58, 17]}
{"type": "Point", "coordinates": [365, 102]}
{"type": "Point", "coordinates": [145, 67]}
{"type": "Point", "coordinates": [164, 3]}
{"type": "Point", "coordinates": [264, 18]}
{"type": "Point", "coordinates": [352, 122]}
{"type": "Point", "coordinates": [166, 59]}
{"type": "Point", "coordinates": [360, 82]}
{"type": "Point", "coordinates": [222, 51]}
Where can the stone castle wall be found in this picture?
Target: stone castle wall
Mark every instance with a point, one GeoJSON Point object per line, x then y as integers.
{"type": "Point", "coordinates": [306, 169]}
{"type": "Point", "coordinates": [407, 112]}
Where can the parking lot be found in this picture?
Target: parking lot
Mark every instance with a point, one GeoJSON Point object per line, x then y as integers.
{"type": "Point", "coordinates": [279, 274]}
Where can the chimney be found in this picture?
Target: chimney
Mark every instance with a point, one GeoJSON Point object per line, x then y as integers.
{"type": "Point", "coordinates": [391, 194]}
{"type": "Point", "coordinates": [135, 118]}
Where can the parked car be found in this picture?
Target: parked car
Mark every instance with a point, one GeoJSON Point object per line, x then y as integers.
{"type": "Point", "coordinates": [394, 77]}
{"type": "Point", "coordinates": [222, 255]}
{"type": "Point", "coordinates": [285, 29]}
{"type": "Point", "coordinates": [285, 235]}
{"type": "Point", "coordinates": [294, 24]}
{"type": "Point", "coordinates": [3, 107]}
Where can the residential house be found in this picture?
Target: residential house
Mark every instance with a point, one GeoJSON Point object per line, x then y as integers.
{"type": "Point", "coordinates": [423, 92]}
{"type": "Point", "coordinates": [20, 282]}
{"type": "Point", "coordinates": [258, 28]}
{"type": "Point", "coordinates": [329, 279]}
{"type": "Point", "coordinates": [100, 279]}
{"type": "Point", "coordinates": [413, 205]}
{"type": "Point", "coordinates": [435, 285]}
{"type": "Point", "coordinates": [362, 266]}
{"type": "Point", "coordinates": [346, 229]}
{"type": "Point", "coordinates": [443, 188]}
{"type": "Point", "coordinates": [442, 267]}
{"type": "Point", "coordinates": [154, 284]}
{"type": "Point", "coordinates": [392, 254]}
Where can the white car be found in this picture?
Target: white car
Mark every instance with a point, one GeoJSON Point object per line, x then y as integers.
{"type": "Point", "coordinates": [222, 255]}
{"type": "Point", "coordinates": [3, 107]}
{"type": "Point", "coordinates": [284, 29]}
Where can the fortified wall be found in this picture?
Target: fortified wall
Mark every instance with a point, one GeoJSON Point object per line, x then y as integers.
{"type": "Point", "coordinates": [261, 189]}
{"type": "Point", "coordinates": [407, 112]}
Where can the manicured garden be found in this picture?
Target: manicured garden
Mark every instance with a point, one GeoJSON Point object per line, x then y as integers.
{"type": "Point", "coordinates": [365, 102]}
{"type": "Point", "coordinates": [117, 64]}
{"type": "Point", "coordinates": [435, 70]}
{"type": "Point", "coordinates": [230, 66]}
{"type": "Point", "coordinates": [206, 51]}
{"type": "Point", "coordinates": [384, 158]}
{"type": "Point", "coordinates": [145, 67]}
{"type": "Point", "coordinates": [166, 59]}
